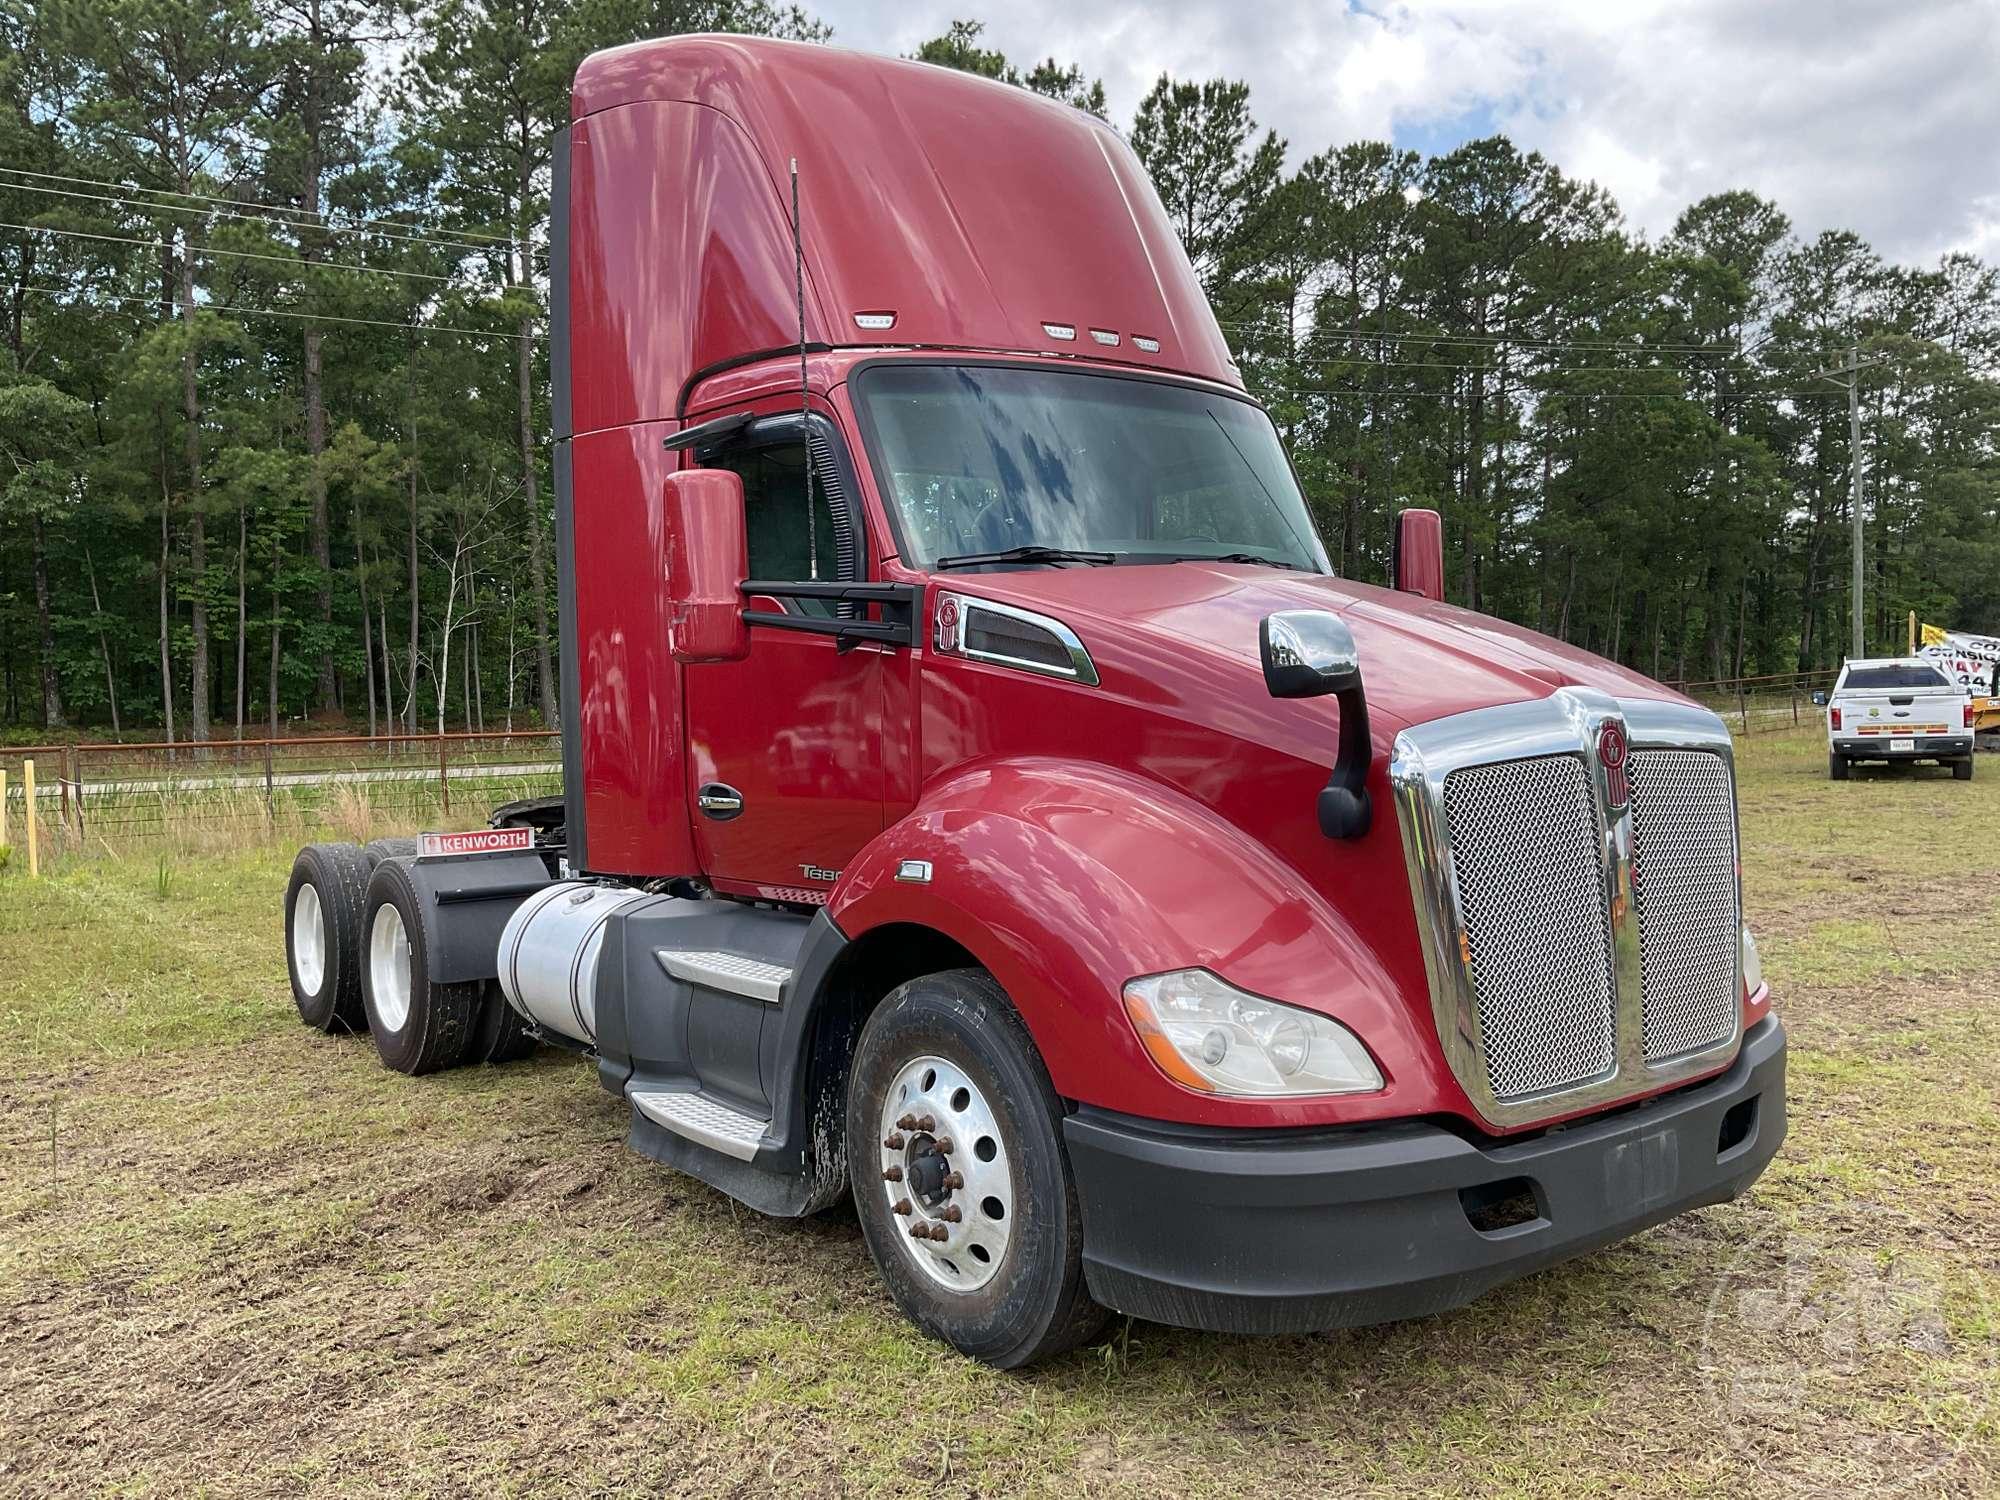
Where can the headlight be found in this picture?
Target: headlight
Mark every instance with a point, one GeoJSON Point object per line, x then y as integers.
{"type": "Point", "coordinates": [1216, 1038]}
{"type": "Point", "coordinates": [1753, 966]}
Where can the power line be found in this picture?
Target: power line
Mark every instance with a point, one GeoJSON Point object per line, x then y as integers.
{"type": "Point", "coordinates": [72, 300]}
{"type": "Point", "coordinates": [1417, 364]}
{"type": "Point", "coordinates": [283, 260]}
{"type": "Point", "coordinates": [257, 217]}
{"type": "Point", "coordinates": [130, 187]}
{"type": "Point", "coordinates": [1550, 395]}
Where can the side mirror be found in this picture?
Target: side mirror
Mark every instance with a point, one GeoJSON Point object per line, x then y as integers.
{"type": "Point", "coordinates": [1819, 700]}
{"type": "Point", "coordinates": [708, 557]}
{"type": "Point", "coordinates": [1417, 565]}
{"type": "Point", "coordinates": [1309, 653]}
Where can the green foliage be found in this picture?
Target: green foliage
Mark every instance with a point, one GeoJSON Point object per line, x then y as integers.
{"type": "Point", "coordinates": [1628, 439]}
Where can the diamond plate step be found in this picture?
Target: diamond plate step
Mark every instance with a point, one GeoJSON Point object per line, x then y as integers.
{"type": "Point", "coordinates": [703, 1121]}
{"type": "Point", "coordinates": [731, 973]}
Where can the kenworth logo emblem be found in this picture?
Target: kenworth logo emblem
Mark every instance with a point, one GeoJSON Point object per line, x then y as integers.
{"type": "Point", "coordinates": [1612, 751]}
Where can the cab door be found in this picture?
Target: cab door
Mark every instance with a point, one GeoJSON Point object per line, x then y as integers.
{"type": "Point", "coordinates": [785, 747]}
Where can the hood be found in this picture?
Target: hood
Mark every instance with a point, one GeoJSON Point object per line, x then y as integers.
{"type": "Point", "coordinates": [1420, 661]}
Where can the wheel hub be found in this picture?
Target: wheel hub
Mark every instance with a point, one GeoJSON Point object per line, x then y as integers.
{"type": "Point", "coordinates": [946, 1173]}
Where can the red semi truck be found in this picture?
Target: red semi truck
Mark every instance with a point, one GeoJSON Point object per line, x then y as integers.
{"type": "Point", "coordinates": [982, 799]}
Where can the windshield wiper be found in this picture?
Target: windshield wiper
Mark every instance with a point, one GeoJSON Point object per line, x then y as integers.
{"type": "Point", "coordinates": [1237, 557]}
{"type": "Point", "coordinates": [1028, 554]}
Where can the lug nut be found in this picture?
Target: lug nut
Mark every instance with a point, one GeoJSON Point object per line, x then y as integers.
{"type": "Point", "coordinates": [920, 1232]}
{"type": "Point", "coordinates": [939, 1233]}
{"type": "Point", "coordinates": [926, 1124]}
{"type": "Point", "coordinates": [895, 1141]}
{"type": "Point", "coordinates": [954, 1180]}
{"type": "Point", "coordinates": [908, 1122]}
{"type": "Point", "coordinates": [892, 1174]}
{"type": "Point", "coordinates": [943, 1144]}
{"type": "Point", "coordinates": [951, 1215]}
{"type": "Point", "coordinates": [901, 1206]}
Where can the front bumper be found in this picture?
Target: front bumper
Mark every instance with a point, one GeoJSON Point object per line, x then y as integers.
{"type": "Point", "coordinates": [1922, 747]}
{"type": "Point", "coordinates": [1288, 1232]}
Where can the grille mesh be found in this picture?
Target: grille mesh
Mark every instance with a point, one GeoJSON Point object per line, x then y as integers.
{"type": "Point", "coordinates": [1527, 848]}
{"type": "Point", "coordinates": [1684, 871]}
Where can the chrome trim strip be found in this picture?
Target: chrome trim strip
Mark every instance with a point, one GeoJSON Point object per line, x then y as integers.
{"type": "Point", "coordinates": [1080, 669]}
{"type": "Point", "coordinates": [1564, 723]}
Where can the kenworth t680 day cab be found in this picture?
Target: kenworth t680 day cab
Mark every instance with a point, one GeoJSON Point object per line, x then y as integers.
{"type": "Point", "coordinates": [981, 797]}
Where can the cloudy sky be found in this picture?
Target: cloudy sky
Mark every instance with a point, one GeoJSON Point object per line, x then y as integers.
{"type": "Point", "coordinates": [1878, 115]}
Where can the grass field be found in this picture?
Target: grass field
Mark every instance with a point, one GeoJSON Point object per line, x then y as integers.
{"type": "Point", "coordinates": [240, 1258]}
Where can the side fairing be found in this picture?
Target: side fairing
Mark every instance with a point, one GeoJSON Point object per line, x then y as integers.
{"type": "Point", "coordinates": [1065, 880]}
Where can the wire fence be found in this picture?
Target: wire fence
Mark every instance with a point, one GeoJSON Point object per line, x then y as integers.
{"type": "Point", "coordinates": [91, 795]}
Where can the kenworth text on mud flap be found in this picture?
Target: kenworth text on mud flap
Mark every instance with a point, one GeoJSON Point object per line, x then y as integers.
{"type": "Point", "coordinates": [981, 797]}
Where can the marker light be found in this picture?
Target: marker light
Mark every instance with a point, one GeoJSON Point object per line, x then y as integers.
{"type": "Point", "coordinates": [1151, 346]}
{"type": "Point", "coordinates": [1065, 331]}
{"type": "Point", "coordinates": [1104, 336]}
{"type": "Point", "coordinates": [1753, 966]}
{"type": "Point", "coordinates": [875, 322]}
{"type": "Point", "coordinates": [1208, 1035]}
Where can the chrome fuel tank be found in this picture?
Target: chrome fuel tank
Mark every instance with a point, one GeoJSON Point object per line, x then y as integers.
{"type": "Point", "coordinates": [550, 950]}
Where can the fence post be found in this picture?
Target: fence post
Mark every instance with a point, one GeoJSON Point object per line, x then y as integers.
{"type": "Point", "coordinates": [270, 806]}
{"type": "Point", "coordinates": [444, 776]}
{"type": "Point", "coordinates": [3, 807]}
{"type": "Point", "coordinates": [28, 811]}
{"type": "Point", "coordinates": [76, 783]}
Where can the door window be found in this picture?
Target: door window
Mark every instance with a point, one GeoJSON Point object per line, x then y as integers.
{"type": "Point", "coordinates": [782, 543]}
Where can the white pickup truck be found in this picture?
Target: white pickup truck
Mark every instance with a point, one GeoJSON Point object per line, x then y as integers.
{"type": "Point", "coordinates": [1898, 708]}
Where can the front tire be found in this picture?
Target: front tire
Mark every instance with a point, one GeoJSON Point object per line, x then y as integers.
{"type": "Point", "coordinates": [419, 1025]}
{"type": "Point", "coordinates": [951, 1119]}
{"type": "Point", "coordinates": [1836, 766]}
{"type": "Point", "coordinates": [323, 905]}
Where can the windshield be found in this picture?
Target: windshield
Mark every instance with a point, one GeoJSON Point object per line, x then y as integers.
{"type": "Point", "coordinates": [1895, 675]}
{"type": "Point", "coordinates": [981, 459]}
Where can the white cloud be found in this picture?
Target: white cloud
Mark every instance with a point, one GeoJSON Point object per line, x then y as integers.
{"type": "Point", "coordinates": [1881, 118]}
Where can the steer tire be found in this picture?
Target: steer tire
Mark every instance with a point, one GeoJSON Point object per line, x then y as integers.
{"type": "Point", "coordinates": [1032, 1302]}
{"type": "Point", "coordinates": [327, 992]}
{"type": "Point", "coordinates": [1836, 766]}
{"type": "Point", "coordinates": [1961, 770]}
{"type": "Point", "coordinates": [499, 1035]}
{"type": "Point", "coordinates": [381, 849]}
{"type": "Point", "coordinates": [420, 1026]}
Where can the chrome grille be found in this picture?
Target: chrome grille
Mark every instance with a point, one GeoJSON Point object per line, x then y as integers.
{"type": "Point", "coordinates": [1528, 858]}
{"type": "Point", "coordinates": [1684, 880]}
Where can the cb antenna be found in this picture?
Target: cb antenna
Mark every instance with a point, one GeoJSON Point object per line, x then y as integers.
{"type": "Point", "coordinates": [805, 393]}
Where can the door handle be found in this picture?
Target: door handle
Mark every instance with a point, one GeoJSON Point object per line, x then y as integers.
{"type": "Point", "coordinates": [719, 802]}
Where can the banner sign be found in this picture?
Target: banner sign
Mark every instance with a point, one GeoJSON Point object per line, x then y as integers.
{"type": "Point", "coordinates": [476, 841]}
{"type": "Point", "coordinates": [1968, 660]}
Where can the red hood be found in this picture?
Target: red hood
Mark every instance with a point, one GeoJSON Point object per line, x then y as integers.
{"type": "Point", "coordinates": [1419, 660]}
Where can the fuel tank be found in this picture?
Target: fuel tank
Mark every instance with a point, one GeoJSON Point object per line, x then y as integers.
{"type": "Point", "coordinates": [549, 953]}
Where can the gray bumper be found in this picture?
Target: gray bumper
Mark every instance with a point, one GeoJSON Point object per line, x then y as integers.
{"type": "Point", "coordinates": [1923, 747]}
{"type": "Point", "coordinates": [1288, 1231]}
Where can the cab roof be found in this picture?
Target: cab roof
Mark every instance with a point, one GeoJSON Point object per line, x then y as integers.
{"type": "Point", "coordinates": [938, 209]}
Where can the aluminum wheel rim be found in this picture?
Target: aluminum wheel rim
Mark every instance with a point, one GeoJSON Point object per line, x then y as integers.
{"type": "Point", "coordinates": [309, 939]}
{"type": "Point", "coordinates": [935, 1121]}
{"type": "Point", "coordinates": [389, 967]}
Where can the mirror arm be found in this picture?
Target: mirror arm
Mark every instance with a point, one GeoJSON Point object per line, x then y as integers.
{"type": "Point", "coordinates": [1344, 810]}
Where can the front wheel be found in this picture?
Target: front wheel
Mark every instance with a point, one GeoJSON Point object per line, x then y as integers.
{"type": "Point", "coordinates": [961, 1182]}
{"type": "Point", "coordinates": [1836, 766]}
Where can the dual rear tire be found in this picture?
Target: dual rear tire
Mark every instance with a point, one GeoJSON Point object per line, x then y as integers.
{"type": "Point", "coordinates": [357, 946]}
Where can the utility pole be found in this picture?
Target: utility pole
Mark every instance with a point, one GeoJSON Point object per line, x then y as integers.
{"type": "Point", "coordinates": [1849, 375]}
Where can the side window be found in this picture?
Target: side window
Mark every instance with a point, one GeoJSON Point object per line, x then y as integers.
{"type": "Point", "coordinates": [774, 507]}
